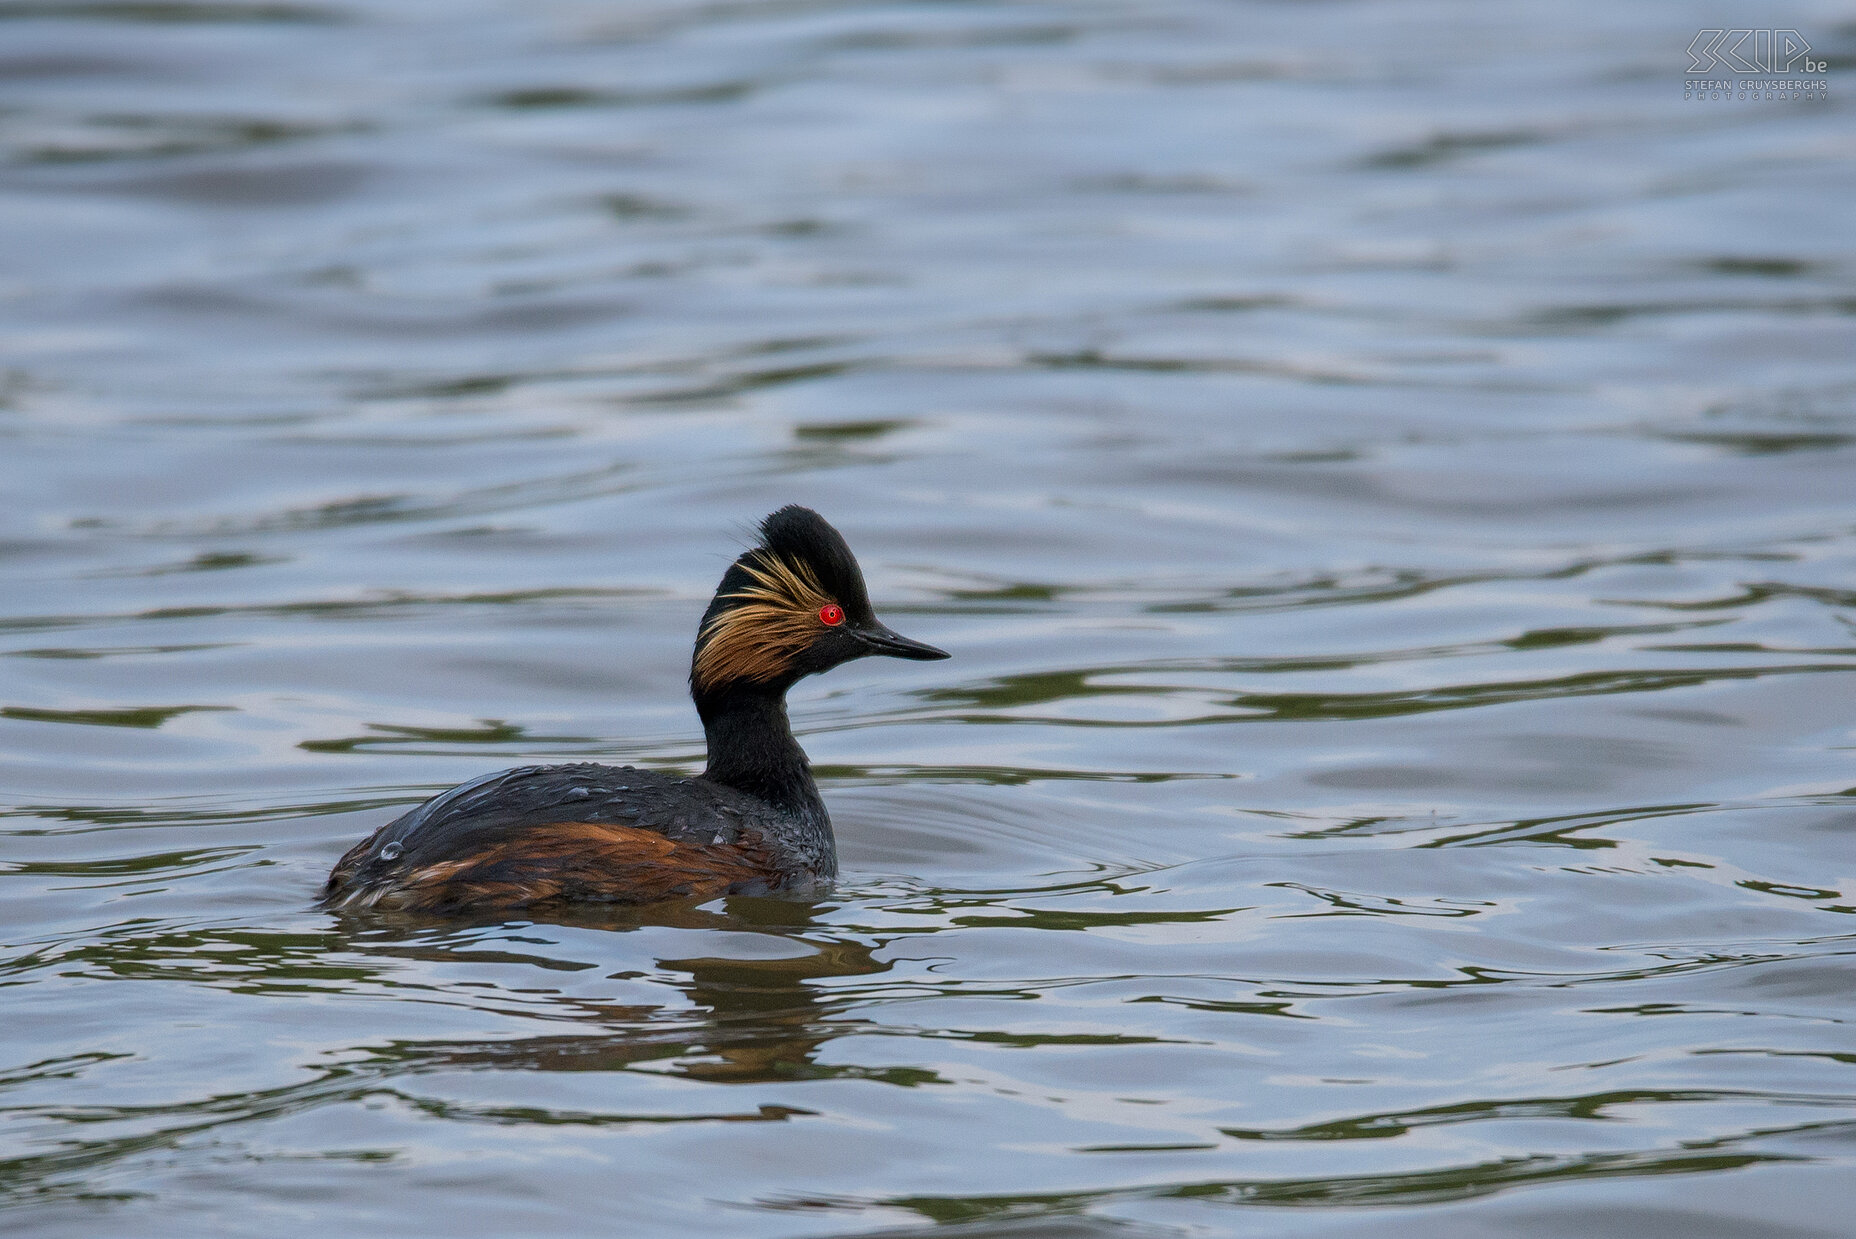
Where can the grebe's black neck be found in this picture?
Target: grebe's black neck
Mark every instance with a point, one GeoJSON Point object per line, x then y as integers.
{"type": "Point", "coordinates": [752, 749]}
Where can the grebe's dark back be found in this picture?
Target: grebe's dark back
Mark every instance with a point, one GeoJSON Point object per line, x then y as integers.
{"type": "Point", "coordinates": [752, 822]}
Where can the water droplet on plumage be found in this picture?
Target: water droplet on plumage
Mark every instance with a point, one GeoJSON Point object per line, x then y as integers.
{"type": "Point", "coordinates": [390, 852]}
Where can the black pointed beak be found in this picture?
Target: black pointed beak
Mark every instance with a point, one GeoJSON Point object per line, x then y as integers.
{"type": "Point", "coordinates": [883, 640]}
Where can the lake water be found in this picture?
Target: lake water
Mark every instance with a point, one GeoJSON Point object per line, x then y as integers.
{"type": "Point", "coordinates": [1386, 474]}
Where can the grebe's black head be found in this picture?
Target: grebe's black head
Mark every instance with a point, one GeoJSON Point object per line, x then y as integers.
{"type": "Point", "coordinates": [790, 607]}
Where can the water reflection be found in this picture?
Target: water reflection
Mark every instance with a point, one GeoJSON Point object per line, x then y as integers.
{"type": "Point", "coordinates": [730, 1020]}
{"type": "Point", "coordinates": [745, 1019]}
{"type": "Point", "coordinates": [1432, 1187]}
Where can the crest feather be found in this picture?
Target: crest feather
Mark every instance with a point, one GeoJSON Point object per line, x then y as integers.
{"type": "Point", "coordinates": [774, 617]}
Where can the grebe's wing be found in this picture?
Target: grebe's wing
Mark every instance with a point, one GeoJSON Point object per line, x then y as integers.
{"type": "Point", "coordinates": [583, 832]}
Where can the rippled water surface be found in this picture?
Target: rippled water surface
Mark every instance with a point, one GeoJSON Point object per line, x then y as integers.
{"type": "Point", "coordinates": [1384, 470]}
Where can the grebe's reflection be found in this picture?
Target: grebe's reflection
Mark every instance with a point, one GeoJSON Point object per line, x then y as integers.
{"type": "Point", "coordinates": [747, 1020]}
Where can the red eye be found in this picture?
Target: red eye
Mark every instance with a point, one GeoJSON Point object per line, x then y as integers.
{"type": "Point", "coordinates": [831, 613]}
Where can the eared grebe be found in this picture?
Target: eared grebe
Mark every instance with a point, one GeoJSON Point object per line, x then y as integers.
{"type": "Point", "coordinates": [752, 823]}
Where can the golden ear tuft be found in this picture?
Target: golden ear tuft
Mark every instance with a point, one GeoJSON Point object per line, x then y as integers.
{"type": "Point", "coordinates": [775, 619]}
